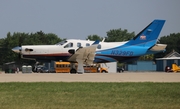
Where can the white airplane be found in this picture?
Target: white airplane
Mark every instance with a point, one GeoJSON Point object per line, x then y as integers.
{"type": "Point", "coordinates": [88, 52]}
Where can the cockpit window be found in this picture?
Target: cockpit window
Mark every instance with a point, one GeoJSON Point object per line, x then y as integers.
{"type": "Point", "coordinates": [87, 44]}
{"type": "Point", "coordinates": [99, 46]}
{"type": "Point", "coordinates": [61, 43]}
{"type": "Point", "coordinates": [69, 45]}
{"type": "Point", "coordinates": [78, 44]}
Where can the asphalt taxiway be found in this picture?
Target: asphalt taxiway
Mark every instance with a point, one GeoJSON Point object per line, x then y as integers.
{"type": "Point", "coordinates": [91, 77]}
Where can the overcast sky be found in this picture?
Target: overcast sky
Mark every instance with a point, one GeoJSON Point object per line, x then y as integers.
{"type": "Point", "coordinates": [80, 18]}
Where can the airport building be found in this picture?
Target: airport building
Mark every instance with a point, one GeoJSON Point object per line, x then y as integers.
{"type": "Point", "coordinates": [141, 66]}
{"type": "Point", "coordinates": [168, 60]}
{"type": "Point", "coordinates": [159, 65]}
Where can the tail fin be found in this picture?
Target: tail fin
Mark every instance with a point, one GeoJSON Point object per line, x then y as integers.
{"type": "Point", "coordinates": [149, 35]}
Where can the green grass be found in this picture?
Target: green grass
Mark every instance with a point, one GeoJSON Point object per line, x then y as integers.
{"type": "Point", "coordinates": [78, 95]}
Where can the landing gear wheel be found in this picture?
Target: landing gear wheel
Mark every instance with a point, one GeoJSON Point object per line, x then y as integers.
{"type": "Point", "coordinates": [104, 71]}
{"type": "Point", "coordinates": [73, 71]}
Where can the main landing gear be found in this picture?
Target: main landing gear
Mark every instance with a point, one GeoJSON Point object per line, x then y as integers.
{"type": "Point", "coordinates": [80, 68]}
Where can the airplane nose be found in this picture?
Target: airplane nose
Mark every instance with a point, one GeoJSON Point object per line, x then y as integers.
{"type": "Point", "coordinates": [17, 49]}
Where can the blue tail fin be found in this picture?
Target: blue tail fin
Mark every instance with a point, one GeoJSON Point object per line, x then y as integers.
{"type": "Point", "coordinates": [149, 35]}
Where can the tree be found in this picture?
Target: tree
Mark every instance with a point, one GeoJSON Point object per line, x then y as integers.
{"type": "Point", "coordinates": [173, 43]}
{"type": "Point", "coordinates": [147, 57]}
{"type": "Point", "coordinates": [18, 39]}
{"type": "Point", "coordinates": [94, 37]}
{"type": "Point", "coordinates": [117, 35]}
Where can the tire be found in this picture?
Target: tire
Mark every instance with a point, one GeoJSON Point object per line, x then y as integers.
{"type": "Point", "coordinates": [73, 71]}
{"type": "Point", "coordinates": [103, 71]}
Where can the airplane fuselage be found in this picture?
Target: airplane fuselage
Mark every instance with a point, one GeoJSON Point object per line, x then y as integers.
{"type": "Point", "coordinates": [105, 52]}
{"type": "Point", "coordinates": [61, 51]}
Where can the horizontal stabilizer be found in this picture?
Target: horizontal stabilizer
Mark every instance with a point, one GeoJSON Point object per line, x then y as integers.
{"type": "Point", "coordinates": [158, 47]}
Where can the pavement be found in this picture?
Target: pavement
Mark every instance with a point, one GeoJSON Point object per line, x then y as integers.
{"type": "Point", "coordinates": [91, 77]}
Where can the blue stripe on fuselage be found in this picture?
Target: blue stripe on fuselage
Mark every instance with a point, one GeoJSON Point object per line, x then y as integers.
{"type": "Point", "coordinates": [128, 51]}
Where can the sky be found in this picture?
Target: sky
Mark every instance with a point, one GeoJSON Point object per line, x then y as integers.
{"type": "Point", "coordinates": [76, 19]}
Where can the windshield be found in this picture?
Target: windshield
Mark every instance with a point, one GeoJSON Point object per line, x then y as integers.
{"type": "Point", "coordinates": [61, 43]}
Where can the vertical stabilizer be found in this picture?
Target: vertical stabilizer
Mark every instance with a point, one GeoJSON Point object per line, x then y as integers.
{"type": "Point", "coordinates": [149, 35]}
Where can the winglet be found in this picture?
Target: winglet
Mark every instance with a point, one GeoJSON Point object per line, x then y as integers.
{"type": "Point", "coordinates": [103, 40]}
{"type": "Point", "coordinates": [96, 42]}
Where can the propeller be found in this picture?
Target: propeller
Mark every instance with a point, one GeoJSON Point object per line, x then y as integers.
{"type": "Point", "coordinates": [20, 44]}
{"type": "Point", "coordinates": [18, 48]}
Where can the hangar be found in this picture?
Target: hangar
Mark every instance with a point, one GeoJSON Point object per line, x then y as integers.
{"type": "Point", "coordinates": [142, 66]}
{"type": "Point", "coordinates": [168, 60]}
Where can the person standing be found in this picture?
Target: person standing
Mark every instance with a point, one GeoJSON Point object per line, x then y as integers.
{"type": "Point", "coordinates": [17, 69]}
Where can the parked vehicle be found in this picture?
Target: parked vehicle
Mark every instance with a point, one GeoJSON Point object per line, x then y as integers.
{"type": "Point", "coordinates": [37, 68]}
{"type": "Point", "coordinates": [43, 70]}
{"type": "Point", "coordinates": [120, 69]}
{"type": "Point", "coordinates": [168, 69]}
{"type": "Point", "coordinates": [65, 67]}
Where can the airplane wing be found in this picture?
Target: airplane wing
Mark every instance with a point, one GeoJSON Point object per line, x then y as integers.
{"type": "Point", "coordinates": [86, 54]}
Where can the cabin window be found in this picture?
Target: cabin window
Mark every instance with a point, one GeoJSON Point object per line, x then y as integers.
{"type": "Point", "coordinates": [87, 44]}
{"type": "Point", "coordinates": [68, 45]}
{"type": "Point", "coordinates": [99, 46]}
{"type": "Point", "coordinates": [78, 44]}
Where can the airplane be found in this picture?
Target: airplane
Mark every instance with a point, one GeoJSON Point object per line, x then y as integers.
{"type": "Point", "coordinates": [89, 52]}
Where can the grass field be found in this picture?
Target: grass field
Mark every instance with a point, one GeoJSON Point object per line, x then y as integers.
{"type": "Point", "coordinates": [61, 95]}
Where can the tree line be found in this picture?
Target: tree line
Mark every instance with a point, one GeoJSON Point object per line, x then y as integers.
{"type": "Point", "coordinates": [41, 38]}
{"type": "Point", "coordinates": [18, 39]}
